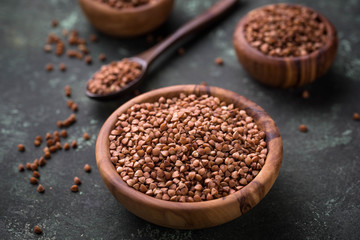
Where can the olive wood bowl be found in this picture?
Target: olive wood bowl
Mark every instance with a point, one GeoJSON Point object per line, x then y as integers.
{"type": "Point", "coordinates": [126, 22]}
{"type": "Point", "coordinates": [194, 215]}
{"type": "Point", "coordinates": [285, 72]}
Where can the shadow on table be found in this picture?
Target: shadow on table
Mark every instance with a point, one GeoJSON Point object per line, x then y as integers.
{"type": "Point", "coordinates": [324, 92]}
{"type": "Point", "coordinates": [272, 218]}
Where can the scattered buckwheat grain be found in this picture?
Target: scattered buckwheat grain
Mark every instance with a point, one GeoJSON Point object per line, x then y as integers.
{"type": "Point", "coordinates": [219, 61]}
{"type": "Point", "coordinates": [305, 94]}
{"type": "Point", "coordinates": [49, 67]}
{"type": "Point", "coordinates": [303, 128]}
{"type": "Point", "coordinates": [62, 67]}
{"type": "Point", "coordinates": [356, 116]}
{"type": "Point", "coordinates": [102, 57]}
{"type": "Point", "coordinates": [54, 23]}
{"type": "Point", "coordinates": [63, 133]}
{"type": "Point", "coordinates": [74, 144]}
{"type": "Point", "coordinates": [33, 180]}
{"type": "Point", "coordinates": [77, 181]}
{"type": "Point", "coordinates": [21, 147]}
{"type": "Point", "coordinates": [67, 90]}
{"type": "Point", "coordinates": [66, 146]}
{"type": "Point", "coordinates": [87, 168]}
{"type": "Point", "coordinates": [21, 168]}
{"type": "Point", "coordinates": [86, 136]}
{"type": "Point", "coordinates": [36, 174]}
{"type": "Point", "coordinates": [37, 230]}
{"type": "Point", "coordinates": [40, 188]}
{"type": "Point", "coordinates": [74, 188]}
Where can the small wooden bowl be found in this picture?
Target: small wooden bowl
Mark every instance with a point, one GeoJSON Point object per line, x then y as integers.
{"type": "Point", "coordinates": [193, 215]}
{"type": "Point", "coordinates": [285, 72]}
{"type": "Point", "coordinates": [127, 22]}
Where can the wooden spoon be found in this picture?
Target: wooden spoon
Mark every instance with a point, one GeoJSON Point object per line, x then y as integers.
{"type": "Point", "coordinates": [146, 58]}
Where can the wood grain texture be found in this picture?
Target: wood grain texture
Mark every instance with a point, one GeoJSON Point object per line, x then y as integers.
{"type": "Point", "coordinates": [127, 22]}
{"type": "Point", "coordinates": [287, 71]}
{"type": "Point", "coordinates": [199, 214]}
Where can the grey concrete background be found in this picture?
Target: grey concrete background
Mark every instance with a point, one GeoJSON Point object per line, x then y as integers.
{"type": "Point", "coordinates": [316, 195]}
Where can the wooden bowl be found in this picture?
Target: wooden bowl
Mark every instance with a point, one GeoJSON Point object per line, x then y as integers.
{"type": "Point", "coordinates": [126, 22]}
{"type": "Point", "coordinates": [285, 72]}
{"type": "Point", "coordinates": [192, 215]}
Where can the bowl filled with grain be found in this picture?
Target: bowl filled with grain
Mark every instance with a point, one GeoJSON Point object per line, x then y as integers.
{"type": "Point", "coordinates": [125, 18]}
{"type": "Point", "coordinates": [189, 156]}
{"type": "Point", "coordinates": [285, 45]}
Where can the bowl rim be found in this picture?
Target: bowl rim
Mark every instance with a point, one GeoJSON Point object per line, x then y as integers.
{"type": "Point", "coordinates": [105, 7]}
{"type": "Point", "coordinates": [266, 176]}
{"type": "Point", "coordinates": [239, 36]}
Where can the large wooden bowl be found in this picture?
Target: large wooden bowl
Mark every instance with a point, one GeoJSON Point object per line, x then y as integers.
{"type": "Point", "coordinates": [285, 72]}
{"type": "Point", "coordinates": [193, 215]}
{"type": "Point", "coordinates": [126, 22]}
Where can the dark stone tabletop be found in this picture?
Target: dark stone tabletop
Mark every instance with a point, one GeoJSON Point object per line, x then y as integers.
{"type": "Point", "coordinates": [317, 193]}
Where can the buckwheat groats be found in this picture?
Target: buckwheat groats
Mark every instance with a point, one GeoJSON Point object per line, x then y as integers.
{"type": "Point", "coordinates": [219, 61]}
{"type": "Point", "coordinates": [33, 180]}
{"type": "Point", "coordinates": [74, 188]}
{"type": "Point", "coordinates": [87, 168]}
{"type": "Point", "coordinates": [77, 181]}
{"type": "Point", "coordinates": [102, 57]}
{"type": "Point", "coordinates": [21, 167]}
{"type": "Point", "coordinates": [37, 230]}
{"type": "Point", "coordinates": [356, 116]}
{"type": "Point", "coordinates": [124, 3]}
{"type": "Point", "coordinates": [21, 147]}
{"type": "Point", "coordinates": [283, 30]}
{"type": "Point", "coordinates": [40, 189]}
{"type": "Point", "coordinates": [114, 76]}
{"type": "Point", "coordinates": [303, 128]}
{"type": "Point", "coordinates": [305, 94]}
{"type": "Point", "coordinates": [187, 148]}
{"type": "Point", "coordinates": [86, 136]}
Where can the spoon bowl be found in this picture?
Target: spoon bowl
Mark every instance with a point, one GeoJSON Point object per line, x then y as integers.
{"type": "Point", "coordinates": [130, 86]}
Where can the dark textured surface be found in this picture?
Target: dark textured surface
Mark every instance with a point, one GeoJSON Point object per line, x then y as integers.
{"type": "Point", "coordinates": [316, 195]}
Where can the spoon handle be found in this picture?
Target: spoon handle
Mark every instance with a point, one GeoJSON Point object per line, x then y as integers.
{"type": "Point", "coordinates": [203, 20]}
